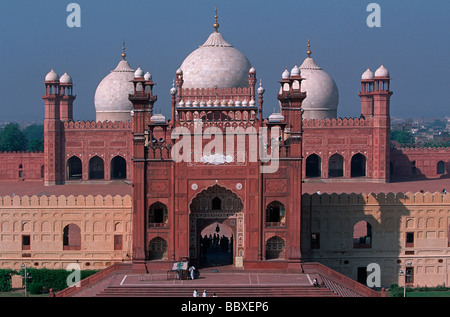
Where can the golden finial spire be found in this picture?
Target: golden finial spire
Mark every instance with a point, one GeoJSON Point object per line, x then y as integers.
{"type": "Point", "coordinates": [309, 48]}
{"type": "Point", "coordinates": [216, 25]}
{"type": "Point", "coordinates": [123, 50]}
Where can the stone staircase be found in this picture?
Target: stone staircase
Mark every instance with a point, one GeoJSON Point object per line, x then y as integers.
{"type": "Point", "coordinates": [227, 291]}
{"type": "Point", "coordinates": [120, 280]}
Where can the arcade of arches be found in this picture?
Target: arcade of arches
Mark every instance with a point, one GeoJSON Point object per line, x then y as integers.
{"type": "Point", "coordinates": [336, 163]}
{"type": "Point", "coordinates": [96, 168]}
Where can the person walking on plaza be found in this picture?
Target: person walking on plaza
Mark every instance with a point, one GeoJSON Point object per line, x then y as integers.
{"type": "Point", "coordinates": [204, 293]}
{"type": "Point", "coordinates": [192, 272]}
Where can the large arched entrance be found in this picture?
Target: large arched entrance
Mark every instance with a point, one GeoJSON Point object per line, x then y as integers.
{"type": "Point", "coordinates": [216, 245]}
{"type": "Point", "coordinates": [216, 229]}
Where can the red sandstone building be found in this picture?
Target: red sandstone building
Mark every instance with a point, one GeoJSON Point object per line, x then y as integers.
{"type": "Point", "coordinates": [180, 187]}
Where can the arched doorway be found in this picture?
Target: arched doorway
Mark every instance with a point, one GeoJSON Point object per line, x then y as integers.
{"type": "Point", "coordinates": [216, 245]}
{"type": "Point", "coordinates": [96, 168]}
{"type": "Point", "coordinates": [313, 166]}
{"type": "Point", "coordinates": [336, 166]}
{"type": "Point", "coordinates": [358, 165]}
{"type": "Point", "coordinates": [118, 168]}
{"type": "Point", "coordinates": [216, 212]}
{"type": "Point", "coordinates": [74, 168]}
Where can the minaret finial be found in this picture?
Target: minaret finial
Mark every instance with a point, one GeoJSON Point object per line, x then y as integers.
{"type": "Point", "coordinates": [309, 48]}
{"type": "Point", "coordinates": [216, 25]}
{"type": "Point", "coordinates": [123, 50]}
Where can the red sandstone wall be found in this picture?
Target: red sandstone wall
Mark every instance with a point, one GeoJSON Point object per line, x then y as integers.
{"type": "Point", "coordinates": [343, 136]}
{"type": "Point", "coordinates": [425, 161]}
{"type": "Point", "coordinates": [21, 165]}
{"type": "Point", "coordinates": [104, 139]}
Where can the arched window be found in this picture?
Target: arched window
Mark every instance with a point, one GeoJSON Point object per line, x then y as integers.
{"type": "Point", "coordinates": [440, 168]}
{"type": "Point", "coordinates": [216, 203]}
{"type": "Point", "coordinates": [275, 248]}
{"type": "Point", "coordinates": [157, 249]}
{"type": "Point", "coordinates": [362, 235]}
{"type": "Point", "coordinates": [275, 214]}
{"type": "Point", "coordinates": [157, 215]}
{"type": "Point", "coordinates": [118, 168]}
{"type": "Point", "coordinates": [313, 166]}
{"type": "Point", "coordinates": [96, 168]}
{"type": "Point", "coordinates": [358, 165]}
{"type": "Point", "coordinates": [74, 168]}
{"type": "Point", "coordinates": [71, 237]}
{"type": "Point", "coordinates": [336, 166]}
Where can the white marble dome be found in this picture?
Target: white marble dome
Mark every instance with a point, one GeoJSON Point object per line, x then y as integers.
{"type": "Point", "coordinates": [52, 76]}
{"type": "Point", "coordinates": [65, 79]}
{"type": "Point", "coordinates": [111, 96]}
{"type": "Point", "coordinates": [322, 95]}
{"type": "Point", "coordinates": [276, 117]}
{"type": "Point", "coordinates": [382, 72]}
{"type": "Point", "coordinates": [216, 63]}
{"type": "Point", "coordinates": [367, 75]}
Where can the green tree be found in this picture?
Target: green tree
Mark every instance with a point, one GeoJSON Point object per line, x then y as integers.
{"type": "Point", "coordinates": [402, 137]}
{"type": "Point", "coordinates": [35, 137]}
{"type": "Point", "coordinates": [12, 139]}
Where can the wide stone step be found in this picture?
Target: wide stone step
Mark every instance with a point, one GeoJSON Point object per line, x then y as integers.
{"type": "Point", "coordinates": [288, 291]}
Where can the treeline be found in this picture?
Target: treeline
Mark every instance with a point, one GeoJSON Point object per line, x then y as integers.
{"type": "Point", "coordinates": [405, 138]}
{"type": "Point", "coordinates": [29, 139]}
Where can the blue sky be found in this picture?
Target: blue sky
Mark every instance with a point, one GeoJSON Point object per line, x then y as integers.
{"type": "Point", "coordinates": [413, 42]}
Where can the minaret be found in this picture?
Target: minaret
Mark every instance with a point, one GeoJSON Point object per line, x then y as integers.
{"type": "Point", "coordinates": [366, 94]}
{"type": "Point", "coordinates": [53, 156]}
{"type": "Point", "coordinates": [382, 125]}
{"type": "Point", "coordinates": [143, 100]}
{"type": "Point", "coordinates": [291, 98]}
{"type": "Point", "coordinates": [67, 98]}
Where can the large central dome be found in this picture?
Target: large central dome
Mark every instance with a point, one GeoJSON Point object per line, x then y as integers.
{"type": "Point", "coordinates": [216, 63]}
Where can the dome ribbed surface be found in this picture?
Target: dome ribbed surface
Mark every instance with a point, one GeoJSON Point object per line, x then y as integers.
{"type": "Point", "coordinates": [216, 63]}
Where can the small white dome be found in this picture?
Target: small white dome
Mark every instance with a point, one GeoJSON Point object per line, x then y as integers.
{"type": "Point", "coordinates": [158, 118]}
{"type": "Point", "coordinates": [367, 75]}
{"type": "Point", "coordinates": [65, 79]}
{"type": "Point", "coordinates": [382, 72]}
{"type": "Point", "coordinates": [52, 76]}
{"type": "Point", "coordinates": [148, 76]}
{"type": "Point", "coordinates": [285, 74]}
{"type": "Point", "coordinates": [252, 70]}
{"type": "Point", "coordinates": [261, 89]}
{"type": "Point", "coordinates": [173, 90]}
{"type": "Point", "coordinates": [139, 73]}
{"type": "Point", "coordinates": [295, 71]}
{"type": "Point", "coordinates": [276, 117]}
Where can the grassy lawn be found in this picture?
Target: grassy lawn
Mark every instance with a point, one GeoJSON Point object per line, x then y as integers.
{"type": "Point", "coordinates": [428, 294]}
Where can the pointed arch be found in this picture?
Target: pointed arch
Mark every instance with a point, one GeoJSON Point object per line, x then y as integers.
{"type": "Point", "coordinates": [96, 168]}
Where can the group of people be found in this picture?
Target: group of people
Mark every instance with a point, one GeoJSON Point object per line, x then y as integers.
{"type": "Point", "coordinates": [203, 295]}
{"type": "Point", "coordinates": [216, 241]}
